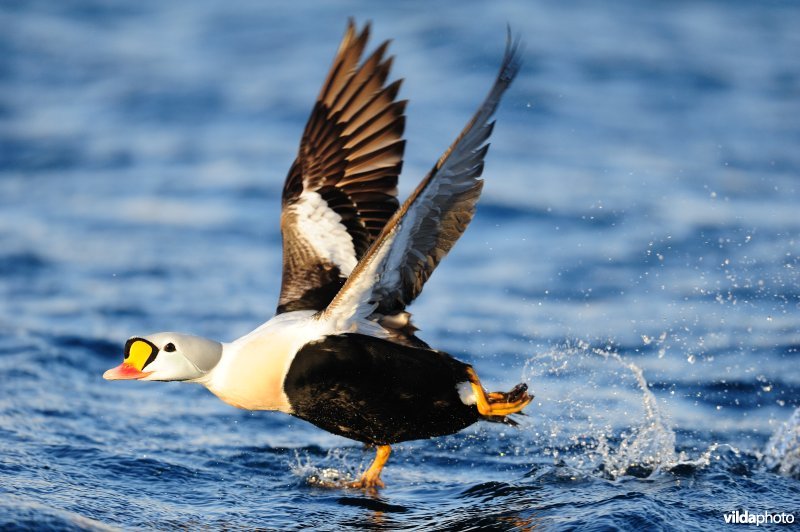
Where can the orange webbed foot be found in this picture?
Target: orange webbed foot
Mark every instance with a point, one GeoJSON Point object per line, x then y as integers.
{"type": "Point", "coordinates": [371, 479]}
{"type": "Point", "coordinates": [498, 404]}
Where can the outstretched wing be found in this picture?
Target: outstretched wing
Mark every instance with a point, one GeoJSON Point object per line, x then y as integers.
{"type": "Point", "coordinates": [425, 228]}
{"type": "Point", "coordinates": [342, 188]}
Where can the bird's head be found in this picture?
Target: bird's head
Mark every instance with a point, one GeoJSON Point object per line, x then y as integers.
{"type": "Point", "coordinates": [166, 356]}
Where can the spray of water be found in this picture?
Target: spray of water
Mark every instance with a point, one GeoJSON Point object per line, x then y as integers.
{"type": "Point", "coordinates": [336, 469]}
{"type": "Point", "coordinates": [650, 444]}
{"type": "Point", "coordinates": [588, 425]}
{"type": "Point", "coordinates": [782, 452]}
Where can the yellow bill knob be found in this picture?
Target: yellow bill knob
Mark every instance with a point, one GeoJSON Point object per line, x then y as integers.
{"type": "Point", "coordinates": [140, 353]}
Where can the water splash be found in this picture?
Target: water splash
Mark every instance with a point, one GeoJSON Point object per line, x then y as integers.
{"type": "Point", "coordinates": [649, 445]}
{"type": "Point", "coordinates": [597, 436]}
{"type": "Point", "coordinates": [334, 470]}
{"type": "Point", "coordinates": [782, 452]}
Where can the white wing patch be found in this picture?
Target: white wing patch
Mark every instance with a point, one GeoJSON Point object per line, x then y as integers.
{"type": "Point", "coordinates": [324, 231]}
{"type": "Point", "coordinates": [361, 300]}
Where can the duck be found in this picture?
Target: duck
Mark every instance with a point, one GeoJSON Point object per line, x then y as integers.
{"type": "Point", "coordinates": [341, 351]}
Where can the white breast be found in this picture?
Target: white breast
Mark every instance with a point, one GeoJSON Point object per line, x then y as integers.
{"type": "Point", "coordinates": [251, 372]}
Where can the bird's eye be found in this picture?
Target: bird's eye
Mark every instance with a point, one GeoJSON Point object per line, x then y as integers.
{"type": "Point", "coordinates": [169, 348]}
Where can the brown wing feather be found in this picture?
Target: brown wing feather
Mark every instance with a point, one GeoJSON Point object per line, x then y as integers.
{"type": "Point", "coordinates": [350, 155]}
{"type": "Point", "coordinates": [394, 269]}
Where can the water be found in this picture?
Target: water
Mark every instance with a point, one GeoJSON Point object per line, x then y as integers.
{"type": "Point", "coordinates": [634, 258]}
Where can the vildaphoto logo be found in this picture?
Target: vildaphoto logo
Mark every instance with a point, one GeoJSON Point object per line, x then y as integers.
{"type": "Point", "coordinates": [763, 518]}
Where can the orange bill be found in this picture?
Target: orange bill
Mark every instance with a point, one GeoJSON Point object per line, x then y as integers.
{"type": "Point", "coordinates": [125, 371]}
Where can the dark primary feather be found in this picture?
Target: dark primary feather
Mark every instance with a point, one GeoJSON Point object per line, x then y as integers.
{"type": "Point", "coordinates": [350, 154]}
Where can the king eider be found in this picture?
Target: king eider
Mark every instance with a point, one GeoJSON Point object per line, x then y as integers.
{"type": "Point", "coordinates": [341, 351]}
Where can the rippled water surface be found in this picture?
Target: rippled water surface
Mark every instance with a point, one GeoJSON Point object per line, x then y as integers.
{"type": "Point", "coordinates": [634, 258]}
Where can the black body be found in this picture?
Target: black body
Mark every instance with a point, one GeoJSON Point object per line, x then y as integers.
{"type": "Point", "coordinates": [376, 391]}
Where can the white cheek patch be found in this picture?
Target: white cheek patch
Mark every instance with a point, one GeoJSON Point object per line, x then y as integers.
{"type": "Point", "coordinates": [323, 229]}
{"type": "Point", "coordinates": [465, 393]}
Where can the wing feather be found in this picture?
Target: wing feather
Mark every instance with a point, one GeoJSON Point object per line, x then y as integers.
{"type": "Point", "coordinates": [342, 187]}
{"type": "Point", "coordinates": [418, 236]}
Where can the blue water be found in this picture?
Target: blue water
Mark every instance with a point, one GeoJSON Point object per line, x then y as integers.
{"type": "Point", "coordinates": [635, 258]}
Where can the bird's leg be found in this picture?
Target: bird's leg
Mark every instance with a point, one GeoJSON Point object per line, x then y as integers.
{"type": "Point", "coordinates": [498, 403]}
{"type": "Point", "coordinates": [371, 478]}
